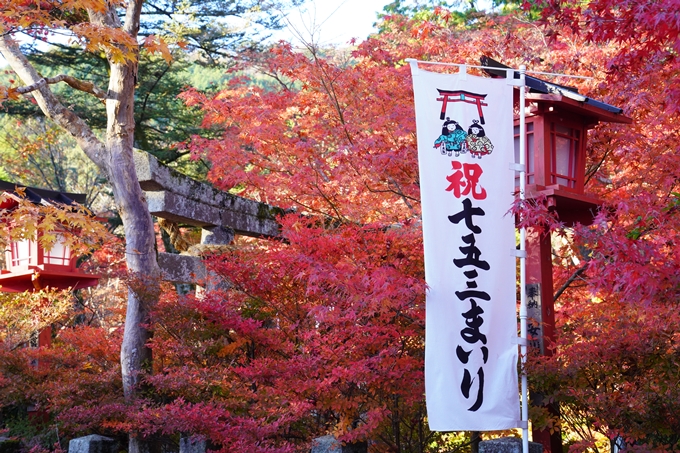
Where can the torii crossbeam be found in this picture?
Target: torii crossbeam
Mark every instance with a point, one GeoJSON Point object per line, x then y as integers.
{"type": "Point", "coordinates": [462, 96]}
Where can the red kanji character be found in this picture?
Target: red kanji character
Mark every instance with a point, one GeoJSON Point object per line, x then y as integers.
{"type": "Point", "coordinates": [466, 180]}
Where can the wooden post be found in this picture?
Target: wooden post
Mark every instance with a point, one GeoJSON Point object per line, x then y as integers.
{"type": "Point", "coordinates": [539, 272]}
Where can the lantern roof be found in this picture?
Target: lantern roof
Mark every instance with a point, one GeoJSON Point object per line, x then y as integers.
{"type": "Point", "coordinates": [41, 196]}
{"type": "Point", "coordinates": [28, 266]}
{"type": "Point", "coordinates": [568, 98]}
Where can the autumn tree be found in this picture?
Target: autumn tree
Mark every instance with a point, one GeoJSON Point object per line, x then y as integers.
{"type": "Point", "coordinates": [112, 28]}
{"type": "Point", "coordinates": [81, 367]}
{"type": "Point", "coordinates": [334, 141]}
{"type": "Point", "coordinates": [38, 154]}
{"type": "Point", "coordinates": [322, 332]}
{"type": "Point", "coordinates": [618, 319]}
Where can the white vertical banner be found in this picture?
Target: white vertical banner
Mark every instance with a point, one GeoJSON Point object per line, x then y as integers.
{"type": "Point", "coordinates": [465, 147]}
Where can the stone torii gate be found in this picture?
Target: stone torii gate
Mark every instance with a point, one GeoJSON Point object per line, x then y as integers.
{"type": "Point", "coordinates": [182, 200]}
{"type": "Point", "coordinates": [179, 199]}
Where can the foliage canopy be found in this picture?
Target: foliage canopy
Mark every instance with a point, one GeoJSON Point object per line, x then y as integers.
{"type": "Point", "coordinates": [322, 333]}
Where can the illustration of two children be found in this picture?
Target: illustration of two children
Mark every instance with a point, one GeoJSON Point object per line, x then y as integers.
{"type": "Point", "coordinates": [454, 139]}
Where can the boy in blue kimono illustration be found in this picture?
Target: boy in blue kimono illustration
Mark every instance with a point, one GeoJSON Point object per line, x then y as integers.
{"type": "Point", "coordinates": [452, 138]}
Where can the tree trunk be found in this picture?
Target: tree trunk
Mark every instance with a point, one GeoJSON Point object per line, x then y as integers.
{"type": "Point", "coordinates": [137, 222]}
{"type": "Point", "coordinates": [475, 438]}
{"type": "Point", "coordinates": [115, 158]}
{"type": "Point", "coordinates": [144, 285]}
{"type": "Point", "coordinates": [140, 239]}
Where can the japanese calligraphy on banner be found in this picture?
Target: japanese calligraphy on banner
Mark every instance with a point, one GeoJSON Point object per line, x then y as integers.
{"type": "Point", "coordinates": [465, 147]}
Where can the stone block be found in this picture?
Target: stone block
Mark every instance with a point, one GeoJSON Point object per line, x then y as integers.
{"type": "Point", "coordinates": [329, 444]}
{"type": "Point", "coordinates": [217, 235]}
{"type": "Point", "coordinates": [508, 445]}
{"type": "Point", "coordinates": [247, 217]}
{"type": "Point", "coordinates": [179, 209]}
{"type": "Point", "coordinates": [192, 445]}
{"type": "Point", "coordinates": [181, 268]}
{"type": "Point", "coordinates": [189, 269]}
{"type": "Point", "coordinates": [326, 444]}
{"type": "Point", "coordinates": [251, 225]}
{"type": "Point", "coordinates": [94, 443]}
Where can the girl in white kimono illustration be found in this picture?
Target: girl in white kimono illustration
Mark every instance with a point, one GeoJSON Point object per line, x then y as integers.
{"type": "Point", "coordinates": [477, 142]}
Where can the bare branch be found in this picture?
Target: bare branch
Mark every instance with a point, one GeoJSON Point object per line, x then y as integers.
{"type": "Point", "coordinates": [570, 280]}
{"type": "Point", "coordinates": [51, 106]}
{"type": "Point", "coordinates": [87, 87]}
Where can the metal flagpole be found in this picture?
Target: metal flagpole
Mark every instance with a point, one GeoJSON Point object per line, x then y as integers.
{"type": "Point", "coordinates": [522, 260]}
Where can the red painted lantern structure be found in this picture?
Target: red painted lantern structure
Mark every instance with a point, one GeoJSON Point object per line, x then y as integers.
{"type": "Point", "coordinates": [557, 125]}
{"type": "Point", "coordinates": [557, 122]}
{"type": "Point", "coordinates": [29, 267]}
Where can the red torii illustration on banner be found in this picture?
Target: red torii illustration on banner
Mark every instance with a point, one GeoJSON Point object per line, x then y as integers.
{"type": "Point", "coordinates": [462, 96]}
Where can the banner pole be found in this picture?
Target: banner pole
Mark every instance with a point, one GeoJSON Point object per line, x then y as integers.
{"type": "Point", "coordinates": [522, 264]}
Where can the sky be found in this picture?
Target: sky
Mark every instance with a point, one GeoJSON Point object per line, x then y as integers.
{"type": "Point", "coordinates": [332, 21]}
{"type": "Point", "coordinates": [328, 21]}
{"type": "Point", "coordinates": [337, 21]}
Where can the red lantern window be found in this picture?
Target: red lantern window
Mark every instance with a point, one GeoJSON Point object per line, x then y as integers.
{"type": "Point", "coordinates": [564, 144]}
{"type": "Point", "coordinates": [529, 156]}
{"type": "Point", "coordinates": [22, 253]}
{"type": "Point", "coordinates": [59, 254]}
